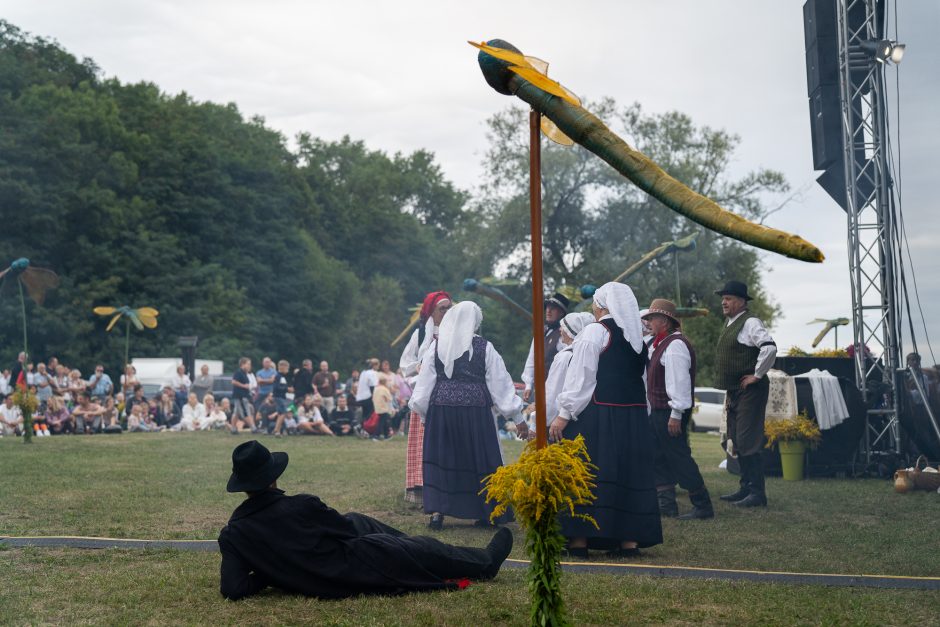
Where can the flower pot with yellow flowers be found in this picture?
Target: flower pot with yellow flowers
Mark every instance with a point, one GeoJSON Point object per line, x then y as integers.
{"type": "Point", "coordinates": [793, 436]}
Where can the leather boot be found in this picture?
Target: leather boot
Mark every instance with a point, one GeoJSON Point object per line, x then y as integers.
{"type": "Point", "coordinates": [756, 496]}
{"type": "Point", "coordinates": [667, 502]}
{"type": "Point", "coordinates": [744, 489]}
{"type": "Point", "coordinates": [701, 506]}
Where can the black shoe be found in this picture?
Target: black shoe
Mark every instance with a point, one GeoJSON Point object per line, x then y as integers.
{"type": "Point", "coordinates": [752, 500]}
{"type": "Point", "coordinates": [580, 552]}
{"type": "Point", "coordinates": [698, 514]}
{"type": "Point", "coordinates": [621, 552]}
{"type": "Point", "coordinates": [437, 522]}
{"type": "Point", "coordinates": [667, 503]}
{"type": "Point", "coordinates": [498, 548]}
{"type": "Point", "coordinates": [736, 496]}
{"type": "Point", "coordinates": [701, 505]}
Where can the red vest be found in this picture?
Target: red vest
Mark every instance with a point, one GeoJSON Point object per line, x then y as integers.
{"type": "Point", "coordinates": [656, 373]}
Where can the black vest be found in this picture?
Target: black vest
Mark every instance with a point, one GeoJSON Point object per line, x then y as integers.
{"type": "Point", "coordinates": [620, 371]}
{"type": "Point", "coordinates": [551, 346]}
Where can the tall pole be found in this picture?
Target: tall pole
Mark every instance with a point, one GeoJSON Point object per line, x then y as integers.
{"type": "Point", "coordinates": [538, 308]}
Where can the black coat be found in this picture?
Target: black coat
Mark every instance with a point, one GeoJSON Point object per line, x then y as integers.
{"type": "Point", "coordinates": [298, 544]}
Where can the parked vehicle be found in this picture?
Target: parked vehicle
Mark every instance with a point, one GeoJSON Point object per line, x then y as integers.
{"type": "Point", "coordinates": [709, 406]}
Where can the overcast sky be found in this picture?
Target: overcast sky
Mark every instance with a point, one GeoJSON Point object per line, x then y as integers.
{"type": "Point", "coordinates": [401, 77]}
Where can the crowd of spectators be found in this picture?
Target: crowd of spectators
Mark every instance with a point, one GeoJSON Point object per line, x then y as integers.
{"type": "Point", "coordinates": [274, 399]}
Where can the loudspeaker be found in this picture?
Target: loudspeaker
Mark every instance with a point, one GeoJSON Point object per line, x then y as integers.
{"type": "Point", "coordinates": [826, 125]}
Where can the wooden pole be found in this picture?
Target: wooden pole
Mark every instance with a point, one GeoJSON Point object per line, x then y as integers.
{"type": "Point", "coordinates": [538, 308]}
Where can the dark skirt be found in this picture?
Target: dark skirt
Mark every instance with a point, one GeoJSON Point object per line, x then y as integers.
{"type": "Point", "coordinates": [621, 445]}
{"type": "Point", "coordinates": [461, 448]}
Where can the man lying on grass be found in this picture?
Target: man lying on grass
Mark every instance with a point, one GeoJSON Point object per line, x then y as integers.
{"type": "Point", "coordinates": [298, 544]}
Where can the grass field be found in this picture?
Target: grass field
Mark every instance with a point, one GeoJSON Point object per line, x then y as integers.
{"type": "Point", "coordinates": [171, 486]}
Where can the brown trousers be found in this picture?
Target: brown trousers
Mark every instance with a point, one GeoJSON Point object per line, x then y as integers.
{"type": "Point", "coordinates": [746, 411]}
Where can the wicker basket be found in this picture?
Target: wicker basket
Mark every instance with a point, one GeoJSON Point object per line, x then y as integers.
{"type": "Point", "coordinates": [924, 480]}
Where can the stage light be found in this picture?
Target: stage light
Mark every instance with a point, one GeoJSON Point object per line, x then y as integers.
{"type": "Point", "coordinates": [884, 50]}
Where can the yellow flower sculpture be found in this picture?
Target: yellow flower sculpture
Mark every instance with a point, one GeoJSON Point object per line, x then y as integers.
{"type": "Point", "coordinates": [140, 318]}
{"type": "Point", "coordinates": [541, 485]}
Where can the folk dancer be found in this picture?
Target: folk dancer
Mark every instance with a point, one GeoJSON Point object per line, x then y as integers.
{"type": "Point", "coordinates": [670, 386]}
{"type": "Point", "coordinates": [556, 308]}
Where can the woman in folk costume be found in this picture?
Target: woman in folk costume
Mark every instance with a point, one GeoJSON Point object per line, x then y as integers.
{"type": "Point", "coordinates": [462, 384]}
{"type": "Point", "coordinates": [571, 325]}
{"type": "Point", "coordinates": [433, 309]}
{"type": "Point", "coordinates": [604, 399]}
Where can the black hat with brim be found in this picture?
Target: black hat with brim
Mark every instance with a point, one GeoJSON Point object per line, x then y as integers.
{"type": "Point", "coordinates": [254, 467]}
{"type": "Point", "coordinates": [558, 300]}
{"type": "Point", "coordinates": [734, 288]}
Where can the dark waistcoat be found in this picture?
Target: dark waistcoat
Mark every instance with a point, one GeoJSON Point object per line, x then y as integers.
{"type": "Point", "coordinates": [467, 387]}
{"type": "Point", "coordinates": [733, 359]}
{"type": "Point", "coordinates": [656, 372]}
{"type": "Point", "coordinates": [620, 371]}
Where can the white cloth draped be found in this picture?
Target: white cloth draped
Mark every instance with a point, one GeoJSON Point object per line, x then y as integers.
{"type": "Point", "coordinates": [455, 336]}
{"type": "Point", "coordinates": [498, 381]}
{"type": "Point", "coordinates": [619, 300]}
{"type": "Point", "coordinates": [831, 410]}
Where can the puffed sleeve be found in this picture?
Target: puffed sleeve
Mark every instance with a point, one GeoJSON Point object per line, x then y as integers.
{"type": "Point", "coordinates": [528, 373]}
{"type": "Point", "coordinates": [581, 378]}
{"type": "Point", "coordinates": [500, 385]}
{"type": "Point", "coordinates": [555, 383]}
{"type": "Point", "coordinates": [409, 358]}
{"type": "Point", "coordinates": [424, 385]}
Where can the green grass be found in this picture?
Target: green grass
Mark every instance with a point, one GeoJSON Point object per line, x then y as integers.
{"type": "Point", "coordinates": [171, 486]}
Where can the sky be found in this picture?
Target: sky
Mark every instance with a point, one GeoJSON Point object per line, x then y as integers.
{"type": "Point", "coordinates": [401, 77]}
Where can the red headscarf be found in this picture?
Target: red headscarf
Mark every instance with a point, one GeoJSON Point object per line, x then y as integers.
{"type": "Point", "coordinates": [431, 301]}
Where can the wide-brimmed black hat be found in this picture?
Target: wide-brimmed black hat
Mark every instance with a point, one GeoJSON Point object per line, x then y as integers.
{"type": "Point", "coordinates": [734, 288]}
{"type": "Point", "coordinates": [254, 467]}
{"type": "Point", "coordinates": [558, 300]}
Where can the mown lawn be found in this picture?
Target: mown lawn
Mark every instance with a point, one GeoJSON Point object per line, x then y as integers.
{"type": "Point", "coordinates": [171, 486]}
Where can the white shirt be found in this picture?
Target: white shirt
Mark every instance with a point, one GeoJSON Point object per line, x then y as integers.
{"type": "Point", "coordinates": [412, 355]}
{"type": "Point", "coordinates": [4, 385]}
{"type": "Point", "coordinates": [11, 415]}
{"type": "Point", "coordinates": [582, 371]}
{"type": "Point", "coordinates": [754, 333]}
{"type": "Point", "coordinates": [677, 361]}
{"type": "Point", "coordinates": [367, 380]}
{"type": "Point", "coordinates": [194, 413]}
{"type": "Point", "coordinates": [528, 373]}
{"type": "Point", "coordinates": [498, 382]}
{"type": "Point", "coordinates": [180, 381]}
{"type": "Point", "coordinates": [556, 382]}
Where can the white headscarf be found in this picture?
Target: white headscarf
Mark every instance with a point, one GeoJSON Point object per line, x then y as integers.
{"type": "Point", "coordinates": [619, 300]}
{"type": "Point", "coordinates": [573, 323]}
{"type": "Point", "coordinates": [455, 335]}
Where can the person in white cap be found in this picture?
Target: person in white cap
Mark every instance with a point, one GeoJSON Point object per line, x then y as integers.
{"type": "Point", "coordinates": [604, 400]}
{"type": "Point", "coordinates": [462, 383]}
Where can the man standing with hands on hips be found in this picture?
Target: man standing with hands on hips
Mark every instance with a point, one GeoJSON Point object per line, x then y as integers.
{"type": "Point", "coordinates": [745, 353]}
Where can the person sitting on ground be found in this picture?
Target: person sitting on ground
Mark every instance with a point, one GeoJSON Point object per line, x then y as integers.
{"type": "Point", "coordinates": [58, 417]}
{"type": "Point", "coordinates": [341, 419]}
{"type": "Point", "coordinates": [310, 418]}
{"type": "Point", "coordinates": [215, 416]}
{"type": "Point", "coordinates": [137, 397]}
{"type": "Point", "coordinates": [87, 414]}
{"type": "Point", "coordinates": [194, 414]}
{"type": "Point", "coordinates": [110, 416]}
{"type": "Point", "coordinates": [168, 414]}
{"type": "Point", "coordinates": [299, 545]}
{"type": "Point", "coordinates": [266, 414]}
{"type": "Point", "coordinates": [11, 418]}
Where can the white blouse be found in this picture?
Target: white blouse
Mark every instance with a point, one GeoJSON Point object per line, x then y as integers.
{"type": "Point", "coordinates": [505, 400]}
{"type": "Point", "coordinates": [409, 358]}
{"type": "Point", "coordinates": [555, 382]}
{"type": "Point", "coordinates": [581, 378]}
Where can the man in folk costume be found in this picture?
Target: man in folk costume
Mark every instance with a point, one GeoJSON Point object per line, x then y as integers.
{"type": "Point", "coordinates": [604, 400]}
{"type": "Point", "coordinates": [433, 308]}
{"type": "Point", "coordinates": [556, 308]}
{"type": "Point", "coordinates": [462, 384]}
{"type": "Point", "coordinates": [745, 353]}
{"type": "Point", "coordinates": [298, 544]}
{"type": "Point", "coordinates": [670, 385]}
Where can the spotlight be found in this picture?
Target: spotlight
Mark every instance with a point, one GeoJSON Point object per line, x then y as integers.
{"type": "Point", "coordinates": [884, 50]}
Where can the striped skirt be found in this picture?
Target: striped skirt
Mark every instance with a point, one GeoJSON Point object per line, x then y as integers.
{"type": "Point", "coordinates": [414, 475]}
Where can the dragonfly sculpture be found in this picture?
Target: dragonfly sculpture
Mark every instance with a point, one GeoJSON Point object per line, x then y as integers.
{"type": "Point", "coordinates": [830, 325]}
{"type": "Point", "coordinates": [37, 282]}
{"type": "Point", "coordinates": [143, 317]}
{"type": "Point", "coordinates": [510, 72]}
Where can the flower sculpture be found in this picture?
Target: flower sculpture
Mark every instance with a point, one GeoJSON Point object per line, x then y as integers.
{"type": "Point", "coordinates": [140, 318]}
{"type": "Point", "coordinates": [542, 484]}
{"type": "Point", "coordinates": [37, 282]}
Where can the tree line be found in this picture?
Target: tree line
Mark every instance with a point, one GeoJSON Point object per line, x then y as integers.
{"type": "Point", "coordinates": [142, 198]}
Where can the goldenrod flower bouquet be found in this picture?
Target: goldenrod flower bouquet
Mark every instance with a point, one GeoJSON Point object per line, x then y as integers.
{"type": "Point", "coordinates": [799, 427]}
{"type": "Point", "coordinates": [539, 486]}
